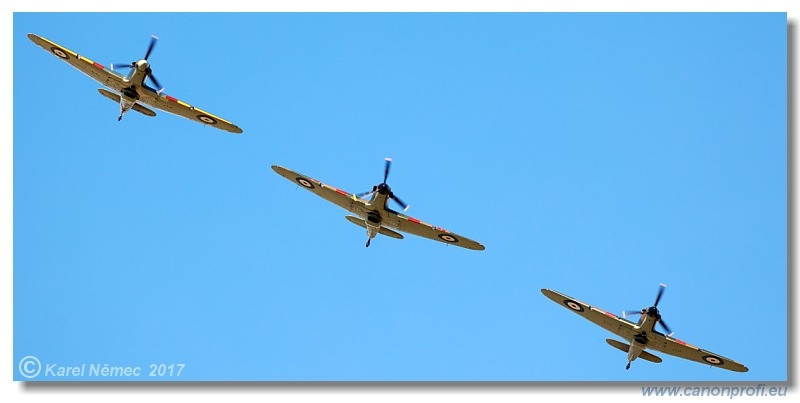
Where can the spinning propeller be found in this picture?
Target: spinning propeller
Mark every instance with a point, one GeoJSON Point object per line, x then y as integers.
{"type": "Point", "coordinates": [143, 65]}
{"type": "Point", "coordinates": [384, 189]}
{"type": "Point", "coordinates": [653, 310]}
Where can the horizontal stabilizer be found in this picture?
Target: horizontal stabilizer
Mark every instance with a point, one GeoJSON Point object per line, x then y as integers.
{"type": "Point", "coordinates": [624, 348]}
{"type": "Point", "coordinates": [141, 109]}
{"type": "Point", "coordinates": [115, 97]}
{"type": "Point", "coordinates": [382, 230]}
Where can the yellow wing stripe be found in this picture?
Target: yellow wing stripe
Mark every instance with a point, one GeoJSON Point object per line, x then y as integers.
{"type": "Point", "coordinates": [71, 53]}
{"type": "Point", "coordinates": [179, 102]}
{"type": "Point", "coordinates": [59, 46]}
{"type": "Point", "coordinates": [212, 115]}
{"type": "Point", "coordinates": [86, 59]}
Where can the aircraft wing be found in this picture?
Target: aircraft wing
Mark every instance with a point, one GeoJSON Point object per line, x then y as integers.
{"type": "Point", "coordinates": [87, 66]}
{"type": "Point", "coordinates": [413, 226]}
{"type": "Point", "coordinates": [657, 341]}
{"type": "Point", "coordinates": [347, 201]}
{"type": "Point", "coordinates": [679, 348]}
{"type": "Point", "coordinates": [606, 320]}
{"type": "Point", "coordinates": [177, 107]}
{"type": "Point", "coordinates": [112, 79]}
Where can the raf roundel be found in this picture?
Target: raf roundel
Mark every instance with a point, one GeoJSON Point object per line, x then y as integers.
{"type": "Point", "coordinates": [448, 238]}
{"type": "Point", "coordinates": [573, 305]}
{"type": "Point", "coordinates": [713, 360]}
{"type": "Point", "coordinates": [304, 182]}
{"type": "Point", "coordinates": [207, 119]}
{"type": "Point", "coordinates": [59, 52]}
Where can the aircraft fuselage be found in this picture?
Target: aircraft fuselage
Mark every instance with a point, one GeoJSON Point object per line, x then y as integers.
{"type": "Point", "coordinates": [130, 95]}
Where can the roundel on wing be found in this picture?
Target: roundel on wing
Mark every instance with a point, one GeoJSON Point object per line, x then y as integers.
{"type": "Point", "coordinates": [207, 119]}
{"type": "Point", "coordinates": [304, 182]}
{"type": "Point", "coordinates": [59, 52]}
{"type": "Point", "coordinates": [713, 360]}
{"type": "Point", "coordinates": [573, 305]}
{"type": "Point", "coordinates": [448, 238]}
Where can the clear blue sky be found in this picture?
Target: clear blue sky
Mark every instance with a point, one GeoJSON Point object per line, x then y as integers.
{"type": "Point", "coordinates": [594, 154]}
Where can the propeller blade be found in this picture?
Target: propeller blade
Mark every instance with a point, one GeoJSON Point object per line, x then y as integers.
{"type": "Point", "coordinates": [400, 202]}
{"type": "Point", "coordinates": [153, 78]}
{"type": "Point", "coordinates": [386, 169]}
{"type": "Point", "coordinates": [664, 325]}
{"type": "Point", "coordinates": [121, 65]}
{"type": "Point", "coordinates": [631, 312]}
{"type": "Point", "coordinates": [364, 194]}
{"type": "Point", "coordinates": [153, 40]}
{"type": "Point", "coordinates": [661, 288]}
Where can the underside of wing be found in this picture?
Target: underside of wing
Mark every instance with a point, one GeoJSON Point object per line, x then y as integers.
{"type": "Point", "coordinates": [679, 348]}
{"type": "Point", "coordinates": [87, 66]}
{"type": "Point", "coordinates": [177, 107]}
{"type": "Point", "coordinates": [414, 226]}
{"type": "Point", "coordinates": [606, 320]}
{"type": "Point", "coordinates": [347, 201]}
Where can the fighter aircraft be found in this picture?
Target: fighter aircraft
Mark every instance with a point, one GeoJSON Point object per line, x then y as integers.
{"type": "Point", "coordinates": [374, 214]}
{"type": "Point", "coordinates": [130, 90]}
{"type": "Point", "coordinates": [642, 334]}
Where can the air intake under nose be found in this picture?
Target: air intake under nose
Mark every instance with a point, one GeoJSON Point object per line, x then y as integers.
{"type": "Point", "coordinates": [374, 218]}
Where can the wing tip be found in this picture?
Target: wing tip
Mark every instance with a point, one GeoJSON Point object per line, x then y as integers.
{"type": "Point", "coordinates": [36, 39]}
{"type": "Point", "coordinates": [282, 171]}
{"type": "Point", "coordinates": [553, 294]}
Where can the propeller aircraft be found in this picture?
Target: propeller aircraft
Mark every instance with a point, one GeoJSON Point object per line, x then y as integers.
{"type": "Point", "coordinates": [130, 90]}
{"type": "Point", "coordinates": [374, 214]}
{"type": "Point", "coordinates": [642, 334]}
